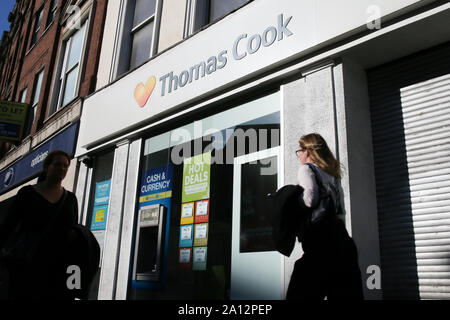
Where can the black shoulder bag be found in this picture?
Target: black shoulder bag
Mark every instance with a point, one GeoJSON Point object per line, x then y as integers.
{"type": "Point", "coordinates": [329, 203]}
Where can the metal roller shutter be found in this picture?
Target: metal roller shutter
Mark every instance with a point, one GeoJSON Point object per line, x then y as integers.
{"type": "Point", "coordinates": [410, 111]}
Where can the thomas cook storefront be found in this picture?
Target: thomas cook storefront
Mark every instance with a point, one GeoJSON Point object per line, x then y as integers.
{"type": "Point", "coordinates": [178, 155]}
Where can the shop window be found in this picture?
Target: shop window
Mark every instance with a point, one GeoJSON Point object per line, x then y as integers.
{"type": "Point", "coordinates": [37, 26]}
{"type": "Point", "coordinates": [52, 12]}
{"type": "Point", "coordinates": [35, 100]}
{"type": "Point", "coordinates": [139, 35]}
{"type": "Point", "coordinates": [204, 12]}
{"type": "Point", "coordinates": [67, 84]}
{"type": "Point", "coordinates": [97, 215]}
{"type": "Point", "coordinates": [189, 172]}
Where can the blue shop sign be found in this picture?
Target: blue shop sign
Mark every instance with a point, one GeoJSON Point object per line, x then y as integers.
{"type": "Point", "coordinates": [32, 163]}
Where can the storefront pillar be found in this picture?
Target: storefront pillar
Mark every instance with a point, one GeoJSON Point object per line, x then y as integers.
{"type": "Point", "coordinates": [82, 191]}
{"type": "Point", "coordinates": [128, 219]}
{"type": "Point", "coordinates": [355, 148]}
{"type": "Point", "coordinates": [112, 237]}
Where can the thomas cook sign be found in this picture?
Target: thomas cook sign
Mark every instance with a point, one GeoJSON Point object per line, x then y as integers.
{"type": "Point", "coordinates": [218, 61]}
{"type": "Point", "coordinates": [243, 46]}
{"type": "Point", "coordinates": [224, 54]}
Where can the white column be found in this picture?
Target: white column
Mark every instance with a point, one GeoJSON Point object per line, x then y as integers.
{"type": "Point", "coordinates": [113, 229]}
{"type": "Point", "coordinates": [128, 220]}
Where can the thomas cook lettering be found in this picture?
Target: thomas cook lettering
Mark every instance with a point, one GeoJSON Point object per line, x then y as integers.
{"type": "Point", "coordinates": [186, 77]}
{"type": "Point", "coordinates": [267, 39]}
{"type": "Point", "coordinates": [241, 48]}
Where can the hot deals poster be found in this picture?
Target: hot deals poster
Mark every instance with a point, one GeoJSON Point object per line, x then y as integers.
{"type": "Point", "coordinates": [196, 178]}
{"type": "Point", "coordinates": [195, 192]}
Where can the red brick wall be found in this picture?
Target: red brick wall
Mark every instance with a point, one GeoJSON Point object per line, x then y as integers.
{"type": "Point", "coordinates": [43, 54]}
{"type": "Point", "coordinates": [93, 53]}
{"type": "Point", "coordinates": [39, 56]}
{"type": "Point", "coordinates": [12, 56]}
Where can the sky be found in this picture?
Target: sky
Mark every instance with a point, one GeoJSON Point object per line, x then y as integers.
{"type": "Point", "coordinates": [6, 7]}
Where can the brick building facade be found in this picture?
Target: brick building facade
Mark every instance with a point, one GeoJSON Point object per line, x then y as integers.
{"type": "Point", "coordinates": [49, 61]}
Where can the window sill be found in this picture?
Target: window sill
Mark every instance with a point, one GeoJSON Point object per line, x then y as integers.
{"type": "Point", "coordinates": [46, 28]}
{"type": "Point", "coordinates": [18, 150]}
{"type": "Point", "coordinates": [31, 48]}
{"type": "Point", "coordinates": [62, 110]}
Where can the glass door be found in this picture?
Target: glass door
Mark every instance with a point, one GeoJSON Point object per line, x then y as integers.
{"type": "Point", "coordinates": [256, 267]}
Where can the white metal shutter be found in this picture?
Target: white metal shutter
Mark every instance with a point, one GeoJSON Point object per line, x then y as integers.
{"type": "Point", "coordinates": [410, 110]}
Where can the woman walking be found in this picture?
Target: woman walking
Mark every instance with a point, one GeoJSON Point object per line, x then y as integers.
{"type": "Point", "coordinates": [329, 266]}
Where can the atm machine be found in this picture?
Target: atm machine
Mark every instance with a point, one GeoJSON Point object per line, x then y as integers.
{"type": "Point", "coordinates": [149, 243]}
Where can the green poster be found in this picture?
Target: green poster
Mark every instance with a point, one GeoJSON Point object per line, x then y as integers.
{"type": "Point", "coordinates": [196, 178]}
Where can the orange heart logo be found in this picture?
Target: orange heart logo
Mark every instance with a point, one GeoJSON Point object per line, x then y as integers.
{"type": "Point", "coordinates": [142, 93]}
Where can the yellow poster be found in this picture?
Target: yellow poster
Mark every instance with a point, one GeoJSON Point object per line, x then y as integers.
{"type": "Point", "coordinates": [100, 216]}
{"type": "Point", "coordinates": [187, 213]}
{"type": "Point", "coordinates": [12, 120]}
{"type": "Point", "coordinates": [200, 235]}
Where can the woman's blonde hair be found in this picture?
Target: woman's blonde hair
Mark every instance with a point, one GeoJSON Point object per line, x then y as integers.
{"type": "Point", "coordinates": [320, 154]}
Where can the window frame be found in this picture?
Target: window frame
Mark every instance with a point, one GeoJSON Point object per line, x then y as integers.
{"type": "Point", "coordinates": [38, 16]}
{"type": "Point", "coordinates": [52, 12]}
{"type": "Point", "coordinates": [147, 21]}
{"type": "Point", "coordinates": [58, 85]}
{"type": "Point", "coordinates": [23, 95]}
{"type": "Point", "coordinates": [64, 69]}
{"type": "Point", "coordinates": [124, 37]}
{"type": "Point", "coordinates": [35, 98]}
{"type": "Point", "coordinates": [198, 15]}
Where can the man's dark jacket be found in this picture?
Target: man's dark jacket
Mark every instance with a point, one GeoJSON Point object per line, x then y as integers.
{"type": "Point", "coordinates": [289, 218]}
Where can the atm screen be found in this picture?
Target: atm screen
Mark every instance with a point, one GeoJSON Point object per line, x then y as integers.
{"type": "Point", "coordinates": [150, 215]}
{"type": "Point", "coordinates": [147, 251]}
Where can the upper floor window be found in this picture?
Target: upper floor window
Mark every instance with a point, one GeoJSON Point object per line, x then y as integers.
{"type": "Point", "coordinates": [203, 12]}
{"type": "Point", "coordinates": [142, 31]}
{"type": "Point", "coordinates": [68, 80]}
{"type": "Point", "coordinates": [35, 100]}
{"type": "Point", "coordinates": [52, 12]}
{"type": "Point", "coordinates": [139, 34]}
{"type": "Point", "coordinates": [37, 26]}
